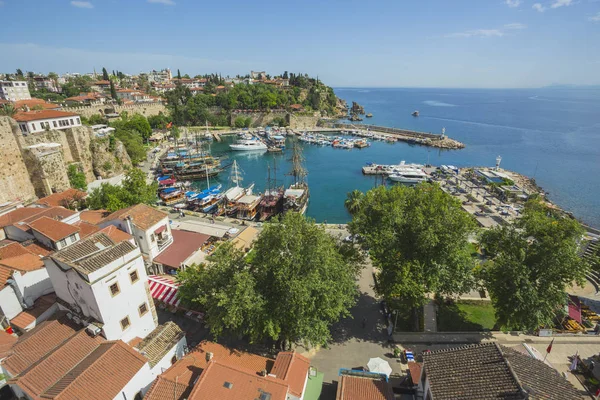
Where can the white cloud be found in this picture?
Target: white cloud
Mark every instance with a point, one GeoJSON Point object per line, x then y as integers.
{"type": "Point", "coordinates": [595, 18]}
{"type": "Point", "coordinates": [538, 7]}
{"type": "Point", "coordinates": [82, 4]}
{"type": "Point", "coordinates": [515, 26]}
{"type": "Point", "coordinates": [478, 33]}
{"type": "Point", "coordinates": [561, 3]}
{"type": "Point", "coordinates": [512, 3]}
{"type": "Point", "coordinates": [165, 2]}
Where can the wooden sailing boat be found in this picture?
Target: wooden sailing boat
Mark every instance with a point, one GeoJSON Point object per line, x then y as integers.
{"type": "Point", "coordinates": [297, 195]}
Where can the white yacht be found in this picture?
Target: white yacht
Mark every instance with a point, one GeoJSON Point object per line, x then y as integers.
{"type": "Point", "coordinates": [248, 145]}
{"type": "Point", "coordinates": [410, 176]}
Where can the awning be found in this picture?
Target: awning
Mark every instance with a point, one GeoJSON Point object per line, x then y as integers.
{"type": "Point", "coordinates": [164, 290]}
{"type": "Point", "coordinates": [575, 308]}
{"type": "Point", "coordinates": [160, 229]}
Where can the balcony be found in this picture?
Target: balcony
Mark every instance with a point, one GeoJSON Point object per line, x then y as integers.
{"type": "Point", "coordinates": [163, 242]}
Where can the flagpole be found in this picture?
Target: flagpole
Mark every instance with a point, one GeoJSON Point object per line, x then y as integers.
{"type": "Point", "coordinates": [548, 349]}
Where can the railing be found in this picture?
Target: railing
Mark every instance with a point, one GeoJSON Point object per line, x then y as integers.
{"type": "Point", "coordinates": [162, 243]}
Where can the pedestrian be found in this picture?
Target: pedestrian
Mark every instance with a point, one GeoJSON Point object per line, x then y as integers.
{"type": "Point", "coordinates": [364, 322]}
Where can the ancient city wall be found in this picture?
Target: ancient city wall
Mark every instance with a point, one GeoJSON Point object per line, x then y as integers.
{"type": "Point", "coordinates": [14, 179]}
{"type": "Point", "coordinates": [144, 109]}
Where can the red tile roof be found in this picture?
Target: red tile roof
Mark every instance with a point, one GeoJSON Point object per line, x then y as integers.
{"type": "Point", "coordinates": [184, 245]}
{"type": "Point", "coordinates": [42, 375]}
{"type": "Point", "coordinates": [19, 214]}
{"type": "Point", "coordinates": [6, 343]}
{"type": "Point", "coordinates": [27, 116]}
{"type": "Point", "coordinates": [33, 102]}
{"type": "Point", "coordinates": [362, 388]}
{"type": "Point", "coordinates": [63, 198]}
{"type": "Point", "coordinates": [55, 230]}
{"type": "Point", "coordinates": [12, 250]}
{"type": "Point", "coordinates": [27, 317]}
{"type": "Point", "coordinates": [23, 263]}
{"type": "Point", "coordinates": [56, 213]}
{"type": "Point", "coordinates": [188, 369]}
{"type": "Point", "coordinates": [415, 372]}
{"type": "Point", "coordinates": [101, 375]}
{"type": "Point", "coordinates": [142, 215]}
{"type": "Point", "coordinates": [116, 234]}
{"type": "Point", "coordinates": [93, 216]}
{"type": "Point", "coordinates": [37, 343]}
{"type": "Point", "coordinates": [102, 82]}
{"type": "Point", "coordinates": [227, 382]}
{"type": "Point", "coordinates": [86, 229]}
{"type": "Point", "coordinates": [38, 249]}
{"type": "Point", "coordinates": [292, 368]}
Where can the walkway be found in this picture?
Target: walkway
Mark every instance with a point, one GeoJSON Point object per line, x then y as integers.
{"type": "Point", "coordinates": [430, 317]}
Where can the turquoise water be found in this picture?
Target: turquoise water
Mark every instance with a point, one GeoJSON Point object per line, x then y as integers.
{"type": "Point", "coordinates": [551, 134]}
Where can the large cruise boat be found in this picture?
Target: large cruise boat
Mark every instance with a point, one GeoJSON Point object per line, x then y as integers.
{"type": "Point", "coordinates": [248, 145]}
{"type": "Point", "coordinates": [409, 176]}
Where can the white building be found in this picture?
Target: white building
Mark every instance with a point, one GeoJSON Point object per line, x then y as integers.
{"type": "Point", "coordinates": [164, 75]}
{"type": "Point", "coordinates": [39, 121]}
{"type": "Point", "coordinates": [42, 82]}
{"type": "Point", "coordinates": [14, 90]}
{"type": "Point", "coordinates": [54, 234]}
{"type": "Point", "coordinates": [104, 283]}
{"type": "Point", "coordinates": [149, 227]}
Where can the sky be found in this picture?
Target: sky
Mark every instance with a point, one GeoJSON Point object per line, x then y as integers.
{"type": "Point", "coordinates": [376, 43]}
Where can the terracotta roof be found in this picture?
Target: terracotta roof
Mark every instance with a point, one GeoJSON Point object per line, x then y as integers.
{"type": "Point", "coordinates": [19, 214]}
{"type": "Point", "coordinates": [101, 375]}
{"type": "Point", "coordinates": [93, 253]}
{"type": "Point", "coordinates": [27, 317]}
{"type": "Point", "coordinates": [27, 116]}
{"type": "Point", "coordinates": [163, 388]}
{"type": "Point", "coordinates": [415, 372]}
{"type": "Point", "coordinates": [53, 229]}
{"type": "Point", "coordinates": [102, 82]}
{"type": "Point", "coordinates": [33, 102]}
{"type": "Point", "coordinates": [22, 263]}
{"type": "Point", "coordinates": [12, 250]}
{"type": "Point", "coordinates": [6, 343]}
{"type": "Point", "coordinates": [292, 368]}
{"type": "Point", "coordinates": [187, 370]}
{"type": "Point", "coordinates": [56, 213]}
{"type": "Point", "coordinates": [227, 382]}
{"type": "Point", "coordinates": [93, 216]}
{"type": "Point", "coordinates": [35, 344]}
{"type": "Point", "coordinates": [491, 371]}
{"type": "Point", "coordinates": [116, 234]}
{"type": "Point", "coordinates": [38, 249]}
{"type": "Point", "coordinates": [49, 369]}
{"type": "Point", "coordinates": [184, 244]}
{"type": "Point", "coordinates": [58, 199]}
{"type": "Point", "coordinates": [85, 229]}
{"type": "Point", "coordinates": [142, 215]}
{"type": "Point", "coordinates": [363, 388]}
{"type": "Point", "coordinates": [160, 341]}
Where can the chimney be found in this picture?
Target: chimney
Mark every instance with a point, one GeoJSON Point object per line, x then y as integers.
{"type": "Point", "coordinates": [128, 222]}
{"type": "Point", "coordinates": [209, 356]}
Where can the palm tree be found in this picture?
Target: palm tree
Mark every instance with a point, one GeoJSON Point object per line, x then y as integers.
{"type": "Point", "coordinates": [8, 110]}
{"type": "Point", "coordinates": [353, 201]}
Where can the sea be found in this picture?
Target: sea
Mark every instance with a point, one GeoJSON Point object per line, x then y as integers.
{"type": "Point", "coordinates": [550, 134]}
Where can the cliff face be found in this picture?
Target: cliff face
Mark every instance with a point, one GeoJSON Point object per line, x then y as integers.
{"type": "Point", "coordinates": [14, 179]}
{"type": "Point", "coordinates": [110, 157]}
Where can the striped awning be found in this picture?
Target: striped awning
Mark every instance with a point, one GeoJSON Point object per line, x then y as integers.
{"type": "Point", "coordinates": [164, 290]}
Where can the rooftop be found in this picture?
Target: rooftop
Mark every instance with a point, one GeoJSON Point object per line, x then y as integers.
{"type": "Point", "coordinates": [492, 371]}
{"type": "Point", "coordinates": [22, 263]}
{"type": "Point", "coordinates": [116, 234]}
{"type": "Point", "coordinates": [6, 343]}
{"type": "Point", "coordinates": [184, 245]}
{"type": "Point", "coordinates": [292, 368]}
{"type": "Point", "coordinates": [142, 215]}
{"type": "Point", "coordinates": [12, 250]}
{"type": "Point", "coordinates": [93, 216]}
{"type": "Point", "coordinates": [85, 228]}
{"type": "Point", "coordinates": [33, 102]}
{"type": "Point", "coordinates": [158, 343]}
{"type": "Point", "coordinates": [26, 317]}
{"type": "Point", "coordinates": [28, 116]}
{"type": "Point", "coordinates": [62, 199]}
{"type": "Point", "coordinates": [363, 388]}
{"type": "Point", "coordinates": [53, 229]}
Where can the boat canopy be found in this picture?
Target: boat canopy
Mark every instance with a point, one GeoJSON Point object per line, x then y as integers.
{"type": "Point", "coordinates": [169, 190]}
{"type": "Point", "coordinates": [168, 181]}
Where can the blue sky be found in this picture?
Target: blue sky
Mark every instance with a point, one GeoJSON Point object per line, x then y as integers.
{"type": "Point", "coordinates": [387, 43]}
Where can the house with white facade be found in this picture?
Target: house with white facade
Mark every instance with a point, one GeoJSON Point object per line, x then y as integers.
{"type": "Point", "coordinates": [15, 224]}
{"type": "Point", "coordinates": [164, 75]}
{"type": "Point", "coordinates": [42, 82]}
{"type": "Point", "coordinates": [14, 90]}
{"type": "Point", "coordinates": [39, 121]}
{"type": "Point", "coordinates": [149, 227]}
{"type": "Point", "coordinates": [54, 234]}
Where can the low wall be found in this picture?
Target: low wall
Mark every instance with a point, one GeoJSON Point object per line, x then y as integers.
{"type": "Point", "coordinates": [144, 109]}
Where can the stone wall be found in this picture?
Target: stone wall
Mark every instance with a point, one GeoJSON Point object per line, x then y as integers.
{"type": "Point", "coordinates": [144, 109]}
{"type": "Point", "coordinates": [304, 121]}
{"type": "Point", "coordinates": [14, 179]}
{"type": "Point", "coordinates": [259, 118]}
{"type": "Point", "coordinates": [47, 168]}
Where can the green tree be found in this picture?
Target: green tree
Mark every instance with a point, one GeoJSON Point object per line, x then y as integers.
{"type": "Point", "coordinates": [353, 200]}
{"type": "Point", "coordinates": [418, 239]}
{"type": "Point", "coordinates": [178, 75]}
{"type": "Point", "coordinates": [298, 283]}
{"type": "Point", "coordinates": [8, 110]}
{"type": "Point", "coordinates": [76, 177]}
{"type": "Point", "coordinates": [20, 73]}
{"type": "Point", "coordinates": [134, 190]}
{"type": "Point", "coordinates": [240, 122]}
{"type": "Point", "coordinates": [139, 123]}
{"type": "Point", "coordinates": [104, 74]}
{"type": "Point", "coordinates": [113, 91]}
{"type": "Point", "coordinates": [531, 264]}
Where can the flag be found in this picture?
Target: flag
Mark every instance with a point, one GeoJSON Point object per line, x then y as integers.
{"type": "Point", "coordinates": [169, 125]}
{"type": "Point", "coordinates": [573, 366]}
{"type": "Point", "coordinates": [549, 349]}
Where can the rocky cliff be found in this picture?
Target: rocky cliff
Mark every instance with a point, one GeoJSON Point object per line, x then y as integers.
{"type": "Point", "coordinates": [110, 157]}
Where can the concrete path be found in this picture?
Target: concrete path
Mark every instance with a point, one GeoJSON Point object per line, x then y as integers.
{"type": "Point", "coordinates": [430, 316]}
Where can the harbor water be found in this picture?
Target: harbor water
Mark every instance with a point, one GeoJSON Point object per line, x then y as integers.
{"type": "Point", "coordinates": [552, 135]}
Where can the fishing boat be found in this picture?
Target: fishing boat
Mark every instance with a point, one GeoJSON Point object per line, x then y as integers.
{"type": "Point", "coordinates": [296, 197]}
{"type": "Point", "coordinates": [254, 144]}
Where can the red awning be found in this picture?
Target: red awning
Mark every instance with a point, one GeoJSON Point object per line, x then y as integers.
{"type": "Point", "coordinates": [160, 229]}
{"type": "Point", "coordinates": [164, 289]}
{"type": "Point", "coordinates": [575, 308]}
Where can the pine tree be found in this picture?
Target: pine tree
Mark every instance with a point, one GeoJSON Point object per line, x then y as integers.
{"type": "Point", "coordinates": [113, 91]}
{"type": "Point", "coordinates": [104, 74]}
{"type": "Point", "coordinates": [178, 74]}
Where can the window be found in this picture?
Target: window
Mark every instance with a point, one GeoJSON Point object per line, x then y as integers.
{"type": "Point", "coordinates": [71, 121]}
{"type": "Point", "coordinates": [143, 309]}
{"type": "Point", "coordinates": [32, 126]}
{"type": "Point", "coordinates": [78, 121]}
{"type": "Point", "coordinates": [133, 275]}
{"type": "Point", "coordinates": [62, 243]}
{"type": "Point", "coordinates": [125, 323]}
{"type": "Point", "coordinates": [54, 122]}
{"type": "Point", "coordinates": [114, 289]}
{"type": "Point", "coordinates": [152, 237]}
